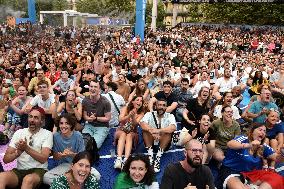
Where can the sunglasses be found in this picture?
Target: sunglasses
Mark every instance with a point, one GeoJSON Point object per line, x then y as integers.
{"type": "Point", "coordinates": [31, 142]}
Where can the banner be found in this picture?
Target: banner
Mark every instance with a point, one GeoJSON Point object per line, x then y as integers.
{"type": "Point", "coordinates": [140, 18]}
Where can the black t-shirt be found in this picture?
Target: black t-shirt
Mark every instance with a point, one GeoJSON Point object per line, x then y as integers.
{"type": "Point", "coordinates": [175, 177]}
{"type": "Point", "coordinates": [85, 86]}
{"type": "Point", "coordinates": [201, 137]}
{"type": "Point", "coordinates": [133, 79]}
{"type": "Point", "coordinates": [170, 99]}
{"type": "Point", "coordinates": [30, 73]}
{"type": "Point", "coordinates": [195, 111]}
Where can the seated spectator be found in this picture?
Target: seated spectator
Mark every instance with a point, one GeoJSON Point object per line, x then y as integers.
{"type": "Point", "coordinates": [79, 175]}
{"type": "Point", "coordinates": [46, 101]}
{"type": "Point", "coordinates": [257, 80]}
{"type": "Point", "coordinates": [140, 90]}
{"type": "Point", "coordinates": [122, 87]}
{"type": "Point", "coordinates": [259, 109]}
{"type": "Point", "coordinates": [97, 113]}
{"type": "Point", "coordinates": [224, 84]}
{"type": "Point", "coordinates": [274, 134]}
{"type": "Point", "coordinates": [72, 106]}
{"type": "Point", "coordinates": [33, 84]}
{"type": "Point", "coordinates": [83, 89]}
{"type": "Point", "coordinates": [116, 101]}
{"type": "Point", "coordinates": [31, 148]}
{"type": "Point", "coordinates": [62, 85]}
{"type": "Point", "coordinates": [244, 158]}
{"type": "Point", "coordinates": [52, 74]}
{"type": "Point", "coordinates": [15, 114]}
{"type": "Point", "coordinates": [180, 75]}
{"type": "Point", "coordinates": [126, 134]}
{"type": "Point", "coordinates": [202, 82]}
{"type": "Point", "coordinates": [157, 80]}
{"type": "Point", "coordinates": [66, 144]}
{"type": "Point", "coordinates": [137, 172]}
{"type": "Point", "coordinates": [183, 95]}
{"type": "Point", "coordinates": [188, 173]}
{"type": "Point", "coordinates": [226, 101]}
{"type": "Point", "coordinates": [195, 108]}
{"type": "Point", "coordinates": [204, 134]}
{"type": "Point", "coordinates": [225, 128]}
{"type": "Point", "coordinates": [133, 77]}
{"type": "Point", "coordinates": [158, 127]}
{"type": "Point", "coordinates": [166, 94]}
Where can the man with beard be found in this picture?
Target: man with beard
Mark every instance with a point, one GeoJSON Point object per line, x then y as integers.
{"type": "Point", "coordinates": [123, 88]}
{"type": "Point", "coordinates": [166, 94]}
{"type": "Point", "coordinates": [31, 148]}
{"type": "Point", "coordinates": [183, 95]}
{"type": "Point", "coordinates": [189, 173]}
{"type": "Point", "coordinates": [158, 127]}
{"type": "Point", "coordinates": [183, 74]}
{"type": "Point", "coordinates": [224, 84]}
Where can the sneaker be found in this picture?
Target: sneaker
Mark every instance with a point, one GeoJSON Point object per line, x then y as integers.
{"type": "Point", "coordinates": [118, 163]}
{"type": "Point", "coordinates": [157, 164]}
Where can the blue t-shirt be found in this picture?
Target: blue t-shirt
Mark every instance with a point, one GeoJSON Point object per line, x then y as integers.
{"type": "Point", "coordinates": [75, 142]}
{"type": "Point", "coordinates": [240, 160]}
{"type": "Point", "coordinates": [275, 130]}
{"type": "Point", "coordinates": [257, 107]}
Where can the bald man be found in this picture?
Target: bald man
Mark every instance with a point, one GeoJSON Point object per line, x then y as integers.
{"type": "Point", "coordinates": [189, 173]}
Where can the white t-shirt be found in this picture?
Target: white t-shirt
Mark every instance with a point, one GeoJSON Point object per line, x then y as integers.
{"type": "Point", "coordinates": [37, 100]}
{"type": "Point", "coordinates": [167, 119]}
{"type": "Point", "coordinates": [42, 139]}
{"type": "Point", "coordinates": [226, 85]}
{"type": "Point", "coordinates": [119, 100]}
{"type": "Point", "coordinates": [195, 90]}
{"type": "Point", "coordinates": [217, 112]}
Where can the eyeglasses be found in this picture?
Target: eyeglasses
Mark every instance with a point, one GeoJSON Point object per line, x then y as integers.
{"type": "Point", "coordinates": [42, 86]}
{"type": "Point", "coordinates": [195, 151]}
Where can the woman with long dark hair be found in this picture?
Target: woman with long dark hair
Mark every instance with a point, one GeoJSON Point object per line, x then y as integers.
{"type": "Point", "coordinates": [244, 158]}
{"type": "Point", "coordinates": [126, 134]}
{"type": "Point", "coordinates": [137, 173]}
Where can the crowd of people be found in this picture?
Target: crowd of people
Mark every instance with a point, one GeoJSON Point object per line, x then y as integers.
{"type": "Point", "coordinates": [184, 86]}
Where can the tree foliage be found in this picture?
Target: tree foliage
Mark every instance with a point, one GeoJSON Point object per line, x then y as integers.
{"type": "Point", "coordinates": [243, 13]}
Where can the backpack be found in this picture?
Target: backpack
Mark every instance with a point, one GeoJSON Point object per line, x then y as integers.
{"type": "Point", "coordinates": [91, 146]}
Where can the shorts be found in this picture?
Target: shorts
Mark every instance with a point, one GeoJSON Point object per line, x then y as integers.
{"type": "Point", "coordinates": [22, 173]}
{"type": "Point", "coordinates": [224, 175]}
